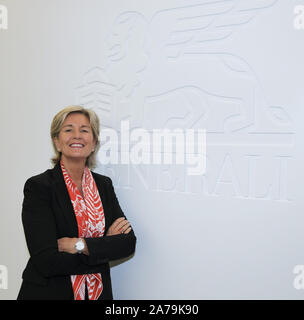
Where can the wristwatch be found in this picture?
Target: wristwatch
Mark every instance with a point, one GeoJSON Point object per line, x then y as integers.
{"type": "Point", "coordinates": [79, 245]}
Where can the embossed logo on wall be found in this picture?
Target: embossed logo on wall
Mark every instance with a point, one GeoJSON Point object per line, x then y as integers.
{"type": "Point", "coordinates": [173, 71]}
{"type": "Point", "coordinates": [3, 277]}
{"type": "Point", "coordinates": [3, 17]}
{"type": "Point", "coordinates": [298, 282]}
{"type": "Point", "coordinates": [298, 21]}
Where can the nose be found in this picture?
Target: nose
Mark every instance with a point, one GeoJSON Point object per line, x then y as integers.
{"type": "Point", "coordinates": [77, 134]}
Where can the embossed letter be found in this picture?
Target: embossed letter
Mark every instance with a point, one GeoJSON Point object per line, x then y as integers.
{"type": "Point", "coordinates": [3, 277]}
{"type": "Point", "coordinates": [3, 17]}
{"type": "Point", "coordinates": [299, 18]}
{"type": "Point", "coordinates": [298, 282]}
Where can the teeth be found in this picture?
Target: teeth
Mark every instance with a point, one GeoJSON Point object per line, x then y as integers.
{"type": "Point", "coordinates": [76, 145]}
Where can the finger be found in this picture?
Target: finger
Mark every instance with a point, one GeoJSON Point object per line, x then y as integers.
{"type": "Point", "coordinates": [59, 246]}
{"type": "Point", "coordinates": [60, 241]}
{"type": "Point", "coordinates": [117, 222]}
{"type": "Point", "coordinates": [128, 230]}
{"type": "Point", "coordinates": [120, 224]}
{"type": "Point", "coordinates": [115, 228]}
{"type": "Point", "coordinates": [123, 225]}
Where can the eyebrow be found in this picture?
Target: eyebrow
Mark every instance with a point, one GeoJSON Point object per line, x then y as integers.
{"type": "Point", "coordinates": [70, 125]}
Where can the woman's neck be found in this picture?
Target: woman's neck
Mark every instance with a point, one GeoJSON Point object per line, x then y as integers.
{"type": "Point", "coordinates": [74, 168]}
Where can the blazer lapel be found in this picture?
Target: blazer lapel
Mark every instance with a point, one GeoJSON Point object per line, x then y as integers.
{"type": "Point", "coordinates": [64, 200]}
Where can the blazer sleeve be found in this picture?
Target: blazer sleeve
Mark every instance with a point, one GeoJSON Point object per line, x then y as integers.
{"type": "Point", "coordinates": [108, 248]}
{"type": "Point", "coordinates": [41, 236]}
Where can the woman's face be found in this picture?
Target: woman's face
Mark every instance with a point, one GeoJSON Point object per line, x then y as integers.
{"type": "Point", "coordinates": [75, 140]}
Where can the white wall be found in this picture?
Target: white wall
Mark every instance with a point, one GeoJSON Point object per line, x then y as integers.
{"type": "Point", "coordinates": [234, 232]}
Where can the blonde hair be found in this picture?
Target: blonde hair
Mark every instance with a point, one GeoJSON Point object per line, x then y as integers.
{"type": "Point", "coordinates": [57, 124]}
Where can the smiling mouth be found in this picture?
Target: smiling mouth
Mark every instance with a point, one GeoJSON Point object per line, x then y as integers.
{"type": "Point", "coordinates": [76, 145]}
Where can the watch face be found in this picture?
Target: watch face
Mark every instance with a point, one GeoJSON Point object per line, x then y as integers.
{"type": "Point", "coordinates": [80, 245]}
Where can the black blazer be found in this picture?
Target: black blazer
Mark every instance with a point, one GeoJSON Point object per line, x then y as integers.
{"type": "Point", "coordinates": [47, 215]}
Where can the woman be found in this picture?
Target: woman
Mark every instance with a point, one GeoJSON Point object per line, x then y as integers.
{"type": "Point", "coordinates": [72, 220]}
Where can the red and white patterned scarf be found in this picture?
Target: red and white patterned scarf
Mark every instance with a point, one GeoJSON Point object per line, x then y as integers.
{"type": "Point", "coordinates": [91, 223]}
